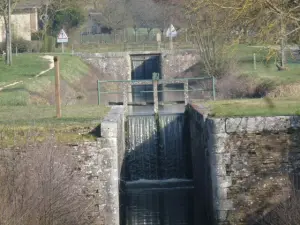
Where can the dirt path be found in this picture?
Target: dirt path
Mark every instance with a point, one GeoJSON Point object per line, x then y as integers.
{"type": "Point", "coordinates": [51, 66]}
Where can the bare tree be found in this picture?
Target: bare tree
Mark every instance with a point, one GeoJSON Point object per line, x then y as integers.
{"type": "Point", "coordinates": [112, 14]}
{"type": "Point", "coordinates": [211, 28]}
{"type": "Point", "coordinates": [6, 8]}
{"type": "Point", "coordinates": [271, 22]}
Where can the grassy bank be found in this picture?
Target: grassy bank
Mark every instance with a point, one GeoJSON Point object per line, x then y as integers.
{"type": "Point", "coordinates": [254, 107]}
{"type": "Point", "coordinates": [23, 67]}
{"type": "Point", "coordinates": [72, 69]}
{"type": "Point", "coordinates": [23, 124]}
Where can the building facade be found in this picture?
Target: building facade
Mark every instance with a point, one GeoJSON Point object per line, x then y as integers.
{"type": "Point", "coordinates": [24, 22]}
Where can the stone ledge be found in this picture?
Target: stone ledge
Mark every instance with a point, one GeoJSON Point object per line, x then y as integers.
{"type": "Point", "coordinates": [254, 124]}
{"type": "Point", "coordinates": [110, 124]}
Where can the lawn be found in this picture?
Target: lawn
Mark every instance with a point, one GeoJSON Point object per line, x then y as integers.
{"type": "Point", "coordinates": [23, 67]}
{"type": "Point", "coordinates": [23, 124]}
{"type": "Point", "coordinates": [254, 107]}
{"type": "Point", "coordinates": [266, 70]}
{"type": "Point", "coordinates": [45, 115]}
{"type": "Point", "coordinates": [72, 69]}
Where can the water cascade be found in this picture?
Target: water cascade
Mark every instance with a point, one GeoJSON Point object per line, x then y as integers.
{"type": "Point", "coordinates": [158, 180]}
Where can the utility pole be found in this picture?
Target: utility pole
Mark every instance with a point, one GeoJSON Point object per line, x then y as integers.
{"type": "Point", "coordinates": [8, 35]}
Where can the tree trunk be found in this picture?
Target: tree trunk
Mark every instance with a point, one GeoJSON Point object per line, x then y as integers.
{"type": "Point", "coordinates": [8, 35]}
{"type": "Point", "coordinates": [282, 43]}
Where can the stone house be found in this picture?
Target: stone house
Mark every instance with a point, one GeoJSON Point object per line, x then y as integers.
{"type": "Point", "coordinates": [24, 21]}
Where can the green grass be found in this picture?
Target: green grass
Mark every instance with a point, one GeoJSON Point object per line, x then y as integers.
{"type": "Point", "coordinates": [31, 124]}
{"type": "Point", "coordinates": [72, 69]}
{"type": "Point", "coordinates": [45, 115]}
{"type": "Point", "coordinates": [23, 67]}
{"type": "Point", "coordinates": [266, 70]}
{"type": "Point", "coordinates": [254, 107]}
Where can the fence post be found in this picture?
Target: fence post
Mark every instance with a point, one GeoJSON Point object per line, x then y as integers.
{"type": "Point", "coordinates": [214, 87]}
{"type": "Point", "coordinates": [186, 92]}
{"type": "Point", "coordinates": [57, 87]}
{"type": "Point", "coordinates": [155, 77]}
{"type": "Point", "coordinates": [99, 93]}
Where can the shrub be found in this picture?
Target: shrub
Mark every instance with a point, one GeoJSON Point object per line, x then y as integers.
{"type": "Point", "coordinates": [20, 44]}
{"type": "Point", "coordinates": [40, 185]}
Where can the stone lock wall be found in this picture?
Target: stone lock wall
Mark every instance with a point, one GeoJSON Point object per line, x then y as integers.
{"type": "Point", "coordinates": [251, 160]}
{"type": "Point", "coordinates": [101, 162]}
{"type": "Point", "coordinates": [117, 65]}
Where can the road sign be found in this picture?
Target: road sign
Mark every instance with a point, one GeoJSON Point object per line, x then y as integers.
{"type": "Point", "coordinates": [171, 31]}
{"type": "Point", "coordinates": [62, 37]}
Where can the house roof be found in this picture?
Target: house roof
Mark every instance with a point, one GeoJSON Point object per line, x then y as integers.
{"type": "Point", "coordinates": [29, 4]}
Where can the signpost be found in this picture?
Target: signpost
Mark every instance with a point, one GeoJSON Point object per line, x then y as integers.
{"type": "Point", "coordinates": [62, 38]}
{"type": "Point", "coordinates": [171, 32]}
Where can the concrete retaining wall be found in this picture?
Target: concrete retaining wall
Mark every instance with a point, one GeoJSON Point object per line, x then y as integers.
{"type": "Point", "coordinates": [250, 162]}
{"type": "Point", "coordinates": [117, 65]}
{"type": "Point", "coordinates": [101, 162]}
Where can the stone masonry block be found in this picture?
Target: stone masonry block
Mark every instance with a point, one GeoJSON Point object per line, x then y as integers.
{"type": "Point", "coordinates": [220, 158]}
{"type": "Point", "coordinates": [259, 124]}
{"type": "Point", "coordinates": [222, 215]}
{"type": "Point", "coordinates": [217, 126]}
{"type": "Point", "coordinates": [109, 129]}
{"type": "Point", "coordinates": [217, 143]}
{"type": "Point", "coordinates": [224, 181]}
{"type": "Point", "coordinates": [218, 171]}
{"type": "Point", "coordinates": [108, 142]}
{"type": "Point", "coordinates": [221, 193]}
{"type": "Point", "coordinates": [223, 204]}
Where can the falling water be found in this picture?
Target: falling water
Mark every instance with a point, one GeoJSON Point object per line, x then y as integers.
{"type": "Point", "coordinates": [156, 148]}
{"type": "Point", "coordinates": [158, 179]}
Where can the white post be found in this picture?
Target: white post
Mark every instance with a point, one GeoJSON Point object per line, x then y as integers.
{"type": "Point", "coordinates": [171, 38]}
{"type": "Point", "coordinates": [62, 47]}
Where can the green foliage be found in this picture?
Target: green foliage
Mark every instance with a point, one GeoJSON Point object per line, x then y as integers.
{"type": "Point", "coordinates": [36, 36]}
{"type": "Point", "coordinates": [254, 107]}
{"type": "Point", "coordinates": [66, 19]}
{"type": "Point", "coordinates": [21, 44]}
{"type": "Point", "coordinates": [19, 98]}
{"type": "Point", "coordinates": [48, 44]}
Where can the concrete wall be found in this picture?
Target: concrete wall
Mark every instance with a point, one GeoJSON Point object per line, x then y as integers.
{"type": "Point", "coordinates": [117, 66]}
{"type": "Point", "coordinates": [101, 162]}
{"type": "Point", "coordinates": [250, 161]}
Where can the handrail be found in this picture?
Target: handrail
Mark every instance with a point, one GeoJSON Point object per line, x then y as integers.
{"type": "Point", "coordinates": [184, 81]}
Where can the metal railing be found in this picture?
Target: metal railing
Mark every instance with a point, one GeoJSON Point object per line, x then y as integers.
{"type": "Point", "coordinates": [126, 84]}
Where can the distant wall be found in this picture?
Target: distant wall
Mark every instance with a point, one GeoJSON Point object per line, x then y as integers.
{"type": "Point", "coordinates": [250, 162]}
{"type": "Point", "coordinates": [117, 66]}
